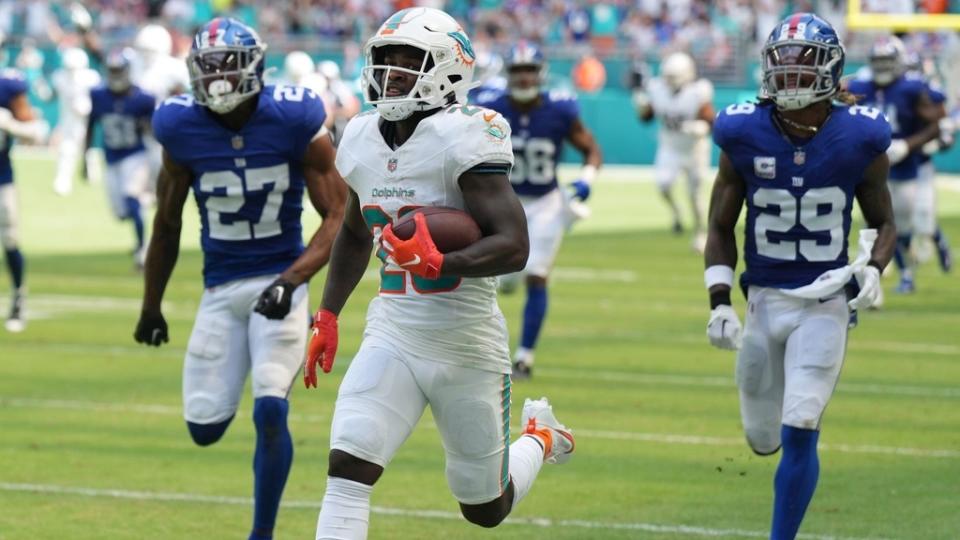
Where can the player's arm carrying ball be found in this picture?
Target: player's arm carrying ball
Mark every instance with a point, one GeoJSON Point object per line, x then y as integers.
{"type": "Point", "coordinates": [328, 194]}
{"type": "Point", "coordinates": [502, 248]}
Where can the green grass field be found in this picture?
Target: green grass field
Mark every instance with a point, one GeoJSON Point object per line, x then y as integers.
{"type": "Point", "coordinates": [93, 445]}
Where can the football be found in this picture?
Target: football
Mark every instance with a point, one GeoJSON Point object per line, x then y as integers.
{"type": "Point", "coordinates": [451, 229]}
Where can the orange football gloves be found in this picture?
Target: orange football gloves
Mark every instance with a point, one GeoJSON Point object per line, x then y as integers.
{"type": "Point", "coordinates": [418, 254]}
{"type": "Point", "coordinates": [323, 346]}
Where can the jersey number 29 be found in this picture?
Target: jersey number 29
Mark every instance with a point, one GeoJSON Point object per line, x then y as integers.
{"type": "Point", "coordinates": [810, 216]}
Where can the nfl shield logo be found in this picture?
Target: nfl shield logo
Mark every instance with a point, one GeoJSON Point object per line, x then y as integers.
{"type": "Point", "coordinates": [392, 164]}
{"type": "Point", "coordinates": [237, 142]}
{"type": "Point", "coordinates": [799, 157]}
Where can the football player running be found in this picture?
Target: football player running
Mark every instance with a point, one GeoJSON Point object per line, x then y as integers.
{"type": "Point", "coordinates": [434, 335]}
{"type": "Point", "coordinates": [797, 160]}
{"type": "Point", "coordinates": [124, 110]}
{"type": "Point", "coordinates": [541, 121]}
{"type": "Point", "coordinates": [17, 120]}
{"type": "Point", "coordinates": [160, 74]}
{"type": "Point", "coordinates": [248, 152]}
{"type": "Point", "coordinates": [905, 99]}
{"type": "Point", "coordinates": [684, 106]}
{"type": "Point", "coordinates": [72, 84]}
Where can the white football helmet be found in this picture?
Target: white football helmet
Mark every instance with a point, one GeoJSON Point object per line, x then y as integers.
{"type": "Point", "coordinates": [75, 59]}
{"type": "Point", "coordinates": [153, 41]}
{"type": "Point", "coordinates": [445, 75]}
{"type": "Point", "coordinates": [678, 70]}
{"type": "Point", "coordinates": [297, 66]}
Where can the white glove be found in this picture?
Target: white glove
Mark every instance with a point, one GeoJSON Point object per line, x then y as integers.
{"type": "Point", "coordinates": [724, 328]}
{"type": "Point", "coordinates": [897, 151]}
{"type": "Point", "coordinates": [869, 281]}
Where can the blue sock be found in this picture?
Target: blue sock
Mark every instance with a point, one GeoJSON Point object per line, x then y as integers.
{"type": "Point", "coordinates": [901, 251]}
{"type": "Point", "coordinates": [533, 314]}
{"type": "Point", "coordinates": [15, 265]}
{"type": "Point", "coordinates": [133, 213]}
{"type": "Point", "coordinates": [207, 434]}
{"type": "Point", "coordinates": [795, 481]}
{"type": "Point", "coordinates": [271, 462]}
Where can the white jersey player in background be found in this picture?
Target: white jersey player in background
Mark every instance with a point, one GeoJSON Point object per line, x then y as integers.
{"type": "Point", "coordinates": [72, 84]}
{"type": "Point", "coordinates": [343, 101]}
{"type": "Point", "coordinates": [157, 72]}
{"type": "Point", "coordinates": [435, 335]}
{"type": "Point", "coordinates": [684, 106]}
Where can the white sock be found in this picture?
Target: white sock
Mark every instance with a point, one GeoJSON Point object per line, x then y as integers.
{"type": "Point", "coordinates": [345, 511]}
{"type": "Point", "coordinates": [526, 458]}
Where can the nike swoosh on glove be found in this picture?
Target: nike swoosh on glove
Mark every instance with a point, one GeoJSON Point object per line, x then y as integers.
{"type": "Point", "coordinates": [418, 254]}
{"type": "Point", "coordinates": [724, 328]}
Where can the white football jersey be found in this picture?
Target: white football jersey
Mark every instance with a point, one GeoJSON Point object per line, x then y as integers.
{"type": "Point", "coordinates": [163, 77]}
{"type": "Point", "coordinates": [73, 94]}
{"type": "Point", "coordinates": [424, 171]}
{"type": "Point", "coordinates": [673, 109]}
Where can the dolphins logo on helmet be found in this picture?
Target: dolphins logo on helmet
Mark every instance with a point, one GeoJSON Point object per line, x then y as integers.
{"type": "Point", "coordinates": [226, 64]}
{"type": "Point", "coordinates": [802, 62]}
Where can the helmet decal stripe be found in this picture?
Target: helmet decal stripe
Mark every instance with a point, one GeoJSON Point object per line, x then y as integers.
{"type": "Point", "coordinates": [212, 34]}
{"type": "Point", "coordinates": [794, 23]}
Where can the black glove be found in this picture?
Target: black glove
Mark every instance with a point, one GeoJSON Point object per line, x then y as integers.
{"type": "Point", "coordinates": [151, 329]}
{"type": "Point", "coordinates": [274, 301]}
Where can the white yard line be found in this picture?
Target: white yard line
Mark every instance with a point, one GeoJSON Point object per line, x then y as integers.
{"type": "Point", "coordinates": [661, 438]}
{"type": "Point", "coordinates": [677, 529]}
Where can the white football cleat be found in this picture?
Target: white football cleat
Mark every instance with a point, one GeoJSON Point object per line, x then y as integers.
{"type": "Point", "coordinates": [538, 421]}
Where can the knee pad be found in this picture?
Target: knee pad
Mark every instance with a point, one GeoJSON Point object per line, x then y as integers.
{"type": "Point", "coordinates": [762, 441]}
{"type": "Point", "coordinates": [207, 434]}
{"type": "Point", "coordinates": [270, 415]}
{"type": "Point", "coordinates": [271, 379]}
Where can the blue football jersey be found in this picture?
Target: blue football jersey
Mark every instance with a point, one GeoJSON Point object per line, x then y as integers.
{"type": "Point", "coordinates": [248, 184]}
{"type": "Point", "coordinates": [898, 101]}
{"type": "Point", "coordinates": [12, 84]}
{"type": "Point", "coordinates": [537, 139]}
{"type": "Point", "coordinates": [123, 117]}
{"type": "Point", "coordinates": [798, 197]}
{"type": "Point", "coordinates": [937, 96]}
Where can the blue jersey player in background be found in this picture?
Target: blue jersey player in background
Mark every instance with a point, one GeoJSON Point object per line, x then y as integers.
{"type": "Point", "coordinates": [797, 161]}
{"type": "Point", "coordinates": [248, 152]}
{"type": "Point", "coordinates": [904, 99]}
{"type": "Point", "coordinates": [17, 120]}
{"type": "Point", "coordinates": [541, 121]}
{"type": "Point", "coordinates": [124, 111]}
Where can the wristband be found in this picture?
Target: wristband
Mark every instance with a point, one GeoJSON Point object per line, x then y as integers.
{"type": "Point", "coordinates": [876, 264]}
{"type": "Point", "coordinates": [718, 274]}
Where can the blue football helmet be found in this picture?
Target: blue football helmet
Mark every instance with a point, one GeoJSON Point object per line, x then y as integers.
{"type": "Point", "coordinates": [522, 57]}
{"type": "Point", "coordinates": [802, 62]}
{"type": "Point", "coordinates": [226, 64]}
{"type": "Point", "coordinates": [118, 64]}
{"type": "Point", "coordinates": [888, 60]}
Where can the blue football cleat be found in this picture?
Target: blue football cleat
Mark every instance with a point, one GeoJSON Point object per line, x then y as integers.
{"type": "Point", "coordinates": [906, 286]}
